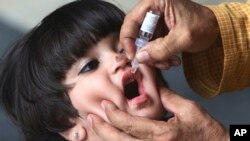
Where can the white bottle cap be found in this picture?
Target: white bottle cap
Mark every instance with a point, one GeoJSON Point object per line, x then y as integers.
{"type": "Point", "coordinates": [150, 22]}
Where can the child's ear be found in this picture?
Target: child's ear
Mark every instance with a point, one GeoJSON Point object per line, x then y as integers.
{"type": "Point", "coordinates": [76, 133]}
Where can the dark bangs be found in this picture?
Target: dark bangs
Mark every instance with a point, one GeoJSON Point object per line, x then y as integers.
{"type": "Point", "coordinates": [31, 80]}
{"type": "Point", "coordinates": [66, 34]}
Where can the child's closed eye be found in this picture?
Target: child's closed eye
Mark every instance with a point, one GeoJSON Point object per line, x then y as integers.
{"type": "Point", "coordinates": [122, 51]}
{"type": "Point", "coordinates": [90, 66]}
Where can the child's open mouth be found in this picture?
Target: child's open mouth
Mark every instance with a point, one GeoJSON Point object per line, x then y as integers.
{"type": "Point", "coordinates": [133, 88]}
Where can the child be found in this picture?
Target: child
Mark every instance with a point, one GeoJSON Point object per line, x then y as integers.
{"type": "Point", "coordinates": [62, 70]}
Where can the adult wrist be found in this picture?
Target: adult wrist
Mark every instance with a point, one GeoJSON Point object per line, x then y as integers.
{"type": "Point", "coordinates": [214, 26]}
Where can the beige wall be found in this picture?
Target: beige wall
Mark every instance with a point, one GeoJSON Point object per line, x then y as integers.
{"type": "Point", "coordinates": [127, 4]}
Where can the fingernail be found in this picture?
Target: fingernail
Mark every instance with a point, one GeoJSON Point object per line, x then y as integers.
{"type": "Point", "coordinates": [90, 120]}
{"type": "Point", "coordinates": [142, 56]}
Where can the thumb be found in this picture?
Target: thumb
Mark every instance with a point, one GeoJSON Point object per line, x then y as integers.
{"type": "Point", "coordinates": [158, 50]}
{"type": "Point", "coordinates": [172, 101]}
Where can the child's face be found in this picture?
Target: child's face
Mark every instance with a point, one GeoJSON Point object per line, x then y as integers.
{"type": "Point", "coordinates": [104, 73]}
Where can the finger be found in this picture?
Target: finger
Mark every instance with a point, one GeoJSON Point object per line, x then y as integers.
{"type": "Point", "coordinates": [128, 36]}
{"type": "Point", "coordinates": [174, 60]}
{"type": "Point", "coordinates": [107, 132]}
{"type": "Point", "coordinates": [132, 22]}
{"type": "Point", "coordinates": [169, 16]}
{"type": "Point", "coordinates": [136, 126]}
{"type": "Point", "coordinates": [154, 51]}
{"type": "Point", "coordinates": [130, 28]}
{"type": "Point", "coordinates": [165, 65]}
{"type": "Point", "coordinates": [171, 62]}
{"type": "Point", "coordinates": [172, 101]}
{"type": "Point", "coordinates": [161, 49]}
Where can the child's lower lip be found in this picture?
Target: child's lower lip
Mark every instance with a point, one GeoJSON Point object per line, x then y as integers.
{"type": "Point", "coordinates": [139, 100]}
{"type": "Point", "coordinates": [142, 98]}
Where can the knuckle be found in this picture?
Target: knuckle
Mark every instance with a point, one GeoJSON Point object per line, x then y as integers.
{"type": "Point", "coordinates": [188, 38]}
{"type": "Point", "coordinates": [185, 40]}
{"type": "Point", "coordinates": [129, 128]}
{"type": "Point", "coordinates": [193, 106]}
{"type": "Point", "coordinates": [188, 35]}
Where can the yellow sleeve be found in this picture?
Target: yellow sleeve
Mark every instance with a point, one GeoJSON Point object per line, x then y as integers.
{"type": "Point", "coordinates": [227, 68]}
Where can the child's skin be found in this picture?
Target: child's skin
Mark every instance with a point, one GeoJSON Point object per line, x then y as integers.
{"type": "Point", "coordinates": [102, 74]}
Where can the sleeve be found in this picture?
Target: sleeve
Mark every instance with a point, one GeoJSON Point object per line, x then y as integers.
{"type": "Point", "coordinates": [227, 68]}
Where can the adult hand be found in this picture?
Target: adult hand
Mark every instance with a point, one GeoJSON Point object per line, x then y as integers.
{"type": "Point", "coordinates": [190, 122]}
{"type": "Point", "coordinates": [192, 28]}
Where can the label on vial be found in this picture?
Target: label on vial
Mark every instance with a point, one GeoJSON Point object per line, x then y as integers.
{"type": "Point", "coordinates": [149, 22]}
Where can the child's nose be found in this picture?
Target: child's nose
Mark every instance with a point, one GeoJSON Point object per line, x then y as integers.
{"type": "Point", "coordinates": [120, 62]}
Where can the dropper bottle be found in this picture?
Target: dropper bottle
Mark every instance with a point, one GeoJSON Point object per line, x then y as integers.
{"type": "Point", "coordinates": [146, 33]}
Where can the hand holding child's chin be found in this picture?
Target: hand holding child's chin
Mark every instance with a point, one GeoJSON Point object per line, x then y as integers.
{"type": "Point", "coordinates": [189, 121]}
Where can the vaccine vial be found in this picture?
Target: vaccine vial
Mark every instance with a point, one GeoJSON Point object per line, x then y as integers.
{"type": "Point", "coordinates": [145, 34]}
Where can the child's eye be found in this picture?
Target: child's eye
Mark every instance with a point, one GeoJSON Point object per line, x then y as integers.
{"type": "Point", "coordinates": [122, 51]}
{"type": "Point", "coordinates": [90, 66]}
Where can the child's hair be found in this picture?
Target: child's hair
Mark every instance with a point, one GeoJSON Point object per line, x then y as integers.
{"type": "Point", "coordinates": [31, 89]}
{"type": "Point", "coordinates": [31, 79]}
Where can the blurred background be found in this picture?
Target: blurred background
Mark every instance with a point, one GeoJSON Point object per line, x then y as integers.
{"type": "Point", "coordinates": [17, 17]}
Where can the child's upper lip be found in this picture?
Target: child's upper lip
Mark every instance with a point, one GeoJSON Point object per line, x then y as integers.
{"type": "Point", "coordinates": [127, 77]}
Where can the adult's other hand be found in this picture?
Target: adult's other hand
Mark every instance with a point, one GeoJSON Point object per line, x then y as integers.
{"type": "Point", "coordinates": [190, 122]}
